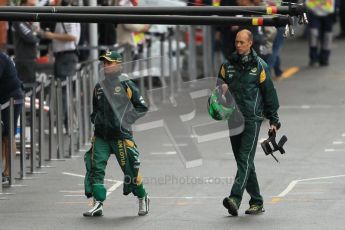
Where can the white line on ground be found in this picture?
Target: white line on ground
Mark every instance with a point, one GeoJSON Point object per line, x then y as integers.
{"type": "Point", "coordinates": [110, 190]}
{"type": "Point", "coordinates": [82, 176]}
{"type": "Point", "coordinates": [338, 142]}
{"type": "Point", "coordinates": [316, 182]}
{"type": "Point", "coordinates": [172, 145]}
{"type": "Point", "coordinates": [186, 197]}
{"type": "Point", "coordinates": [69, 191]}
{"type": "Point", "coordinates": [114, 187]}
{"type": "Point", "coordinates": [288, 188]}
{"type": "Point", "coordinates": [305, 193]}
{"type": "Point", "coordinates": [294, 182]}
{"type": "Point", "coordinates": [310, 106]}
{"type": "Point", "coordinates": [334, 150]}
{"type": "Point", "coordinates": [79, 195]}
{"type": "Point", "coordinates": [164, 153]}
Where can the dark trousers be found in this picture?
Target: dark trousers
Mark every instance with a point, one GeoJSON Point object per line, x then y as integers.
{"type": "Point", "coordinates": [5, 114]}
{"type": "Point", "coordinates": [342, 16]}
{"type": "Point", "coordinates": [65, 66]}
{"type": "Point", "coordinates": [5, 117]}
{"type": "Point", "coordinates": [320, 39]}
{"type": "Point", "coordinates": [26, 70]}
{"type": "Point", "coordinates": [244, 147]}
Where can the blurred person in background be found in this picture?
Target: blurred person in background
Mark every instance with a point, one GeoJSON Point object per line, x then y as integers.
{"type": "Point", "coordinates": [321, 19]}
{"type": "Point", "coordinates": [26, 38]}
{"type": "Point", "coordinates": [10, 86]}
{"type": "Point", "coordinates": [65, 39]}
{"type": "Point", "coordinates": [273, 60]}
{"type": "Point", "coordinates": [106, 28]}
{"type": "Point", "coordinates": [226, 35]}
{"type": "Point", "coordinates": [125, 33]}
{"type": "Point", "coordinates": [341, 12]}
{"type": "Point", "coordinates": [3, 29]}
{"type": "Point", "coordinates": [258, 37]}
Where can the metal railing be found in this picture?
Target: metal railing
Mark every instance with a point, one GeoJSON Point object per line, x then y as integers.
{"type": "Point", "coordinates": [48, 140]}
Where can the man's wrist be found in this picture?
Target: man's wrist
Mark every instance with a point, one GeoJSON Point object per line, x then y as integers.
{"type": "Point", "coordinates": [276, 124]}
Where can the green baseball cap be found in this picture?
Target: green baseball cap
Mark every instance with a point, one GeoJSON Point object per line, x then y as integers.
{"type": "Point", "coordinates": [111, 56]}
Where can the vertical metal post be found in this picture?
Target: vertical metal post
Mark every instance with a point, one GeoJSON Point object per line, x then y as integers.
{"type": "Point", "coordinates": [22, 172]}
{"type": "Point", "coordinates": [52, 146]}
{"type": "Point", "coordinates": [33, 128]}
{"type": "Point", "coordinates": [153, 107]}
{"type": "Point", "coordinates": [93, 34]}
{"type": "Point", "coordinates": [70, 116]}
{"type": "Point", "coordinates": [205, 56]}
{"type": "Point", "coordinates": [207, 53]}
{"type": "Point", "coordinates": [89, 104]}
{"type": "Point", "coordinates": [178, 57]}
{"type": "Point", "coordinates": [59, 112]}
{"type": "Point", "coordinates": [1, 169]}
{"type": "Point", "coordinates": [141, 67]}
{"type": "Point", "coordinates": [41, 126]}
{"type": "Point", "coordinates": [79, 113]}
{"type": "Point", "coordinates": [162, 61]}
{"type": "Point", "coordinates": [149, 62]}
{"type": "Point", "coordinates": [41, 129]}
{"type": "Point", "coordinates": [127, 57]}
{"type": "Point", "coordinates": [172, 85]}
{"type": "Point", "coordinates": [85, 111]}
{"type": "Point", "coordinates": [192, 54]}
{"type": "Point", "coordinates": [11, 142]}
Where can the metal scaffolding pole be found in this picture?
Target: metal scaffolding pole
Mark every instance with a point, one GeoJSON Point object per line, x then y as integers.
{"type": "Point", "coordinates": [147, 19]}
{"type": "Point", "coordinates": [292, 10]}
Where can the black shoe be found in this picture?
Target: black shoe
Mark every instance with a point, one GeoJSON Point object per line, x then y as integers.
{"type": "Point", "coordinates": [231, 206]}
{"type": "Point", "coordinates": [324, 63]}
{"type": "Point", "coordinates": [96, 210]}
{"type": "Point", "coordinates": [340, 36]}
{"type": "Point", "coordinates": [313, 63]}
{"type": "Point", "coordinates": [255, 209]}
{"type": "Point", "coordinates": [5, 179]}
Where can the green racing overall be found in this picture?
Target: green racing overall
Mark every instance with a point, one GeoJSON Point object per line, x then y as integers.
{"type": "Point", "coordinates": [113, 135]}
{"type": "Point", "coordinates": [249, 82]}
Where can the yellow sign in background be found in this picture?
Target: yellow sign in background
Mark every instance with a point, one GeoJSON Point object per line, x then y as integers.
{"type": "Point", "coordinates": [326, 6]}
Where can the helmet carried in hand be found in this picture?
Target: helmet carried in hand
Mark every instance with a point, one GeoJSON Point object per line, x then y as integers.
{"type": "Point", "coordinates": [220, 106]}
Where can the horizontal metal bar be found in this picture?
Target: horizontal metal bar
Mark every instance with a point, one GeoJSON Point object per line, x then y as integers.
{"type": "Point", "coordinates": [293, 10]}
{"type": "Point", "coordinates": [148, 19]}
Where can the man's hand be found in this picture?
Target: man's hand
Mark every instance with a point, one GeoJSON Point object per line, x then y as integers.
{"type": "Point", "coordinates": [225, 88]}
{"type": "Point", "coordinates": [274, 128]}
{"type": "Point", "coordinates": [48, 35]}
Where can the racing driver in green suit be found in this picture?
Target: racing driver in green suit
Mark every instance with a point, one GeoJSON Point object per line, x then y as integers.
{"type": "Point", "coordinates": [117, 104]}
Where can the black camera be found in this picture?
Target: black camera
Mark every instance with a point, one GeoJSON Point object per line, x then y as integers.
{"type": "Point", "coordinates": [270, 145]}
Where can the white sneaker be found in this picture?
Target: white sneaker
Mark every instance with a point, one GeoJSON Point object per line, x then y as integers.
{"type": "Point", "coordinates": [144, 204]}
{"type": "Point", "coordinates": [96, 210]}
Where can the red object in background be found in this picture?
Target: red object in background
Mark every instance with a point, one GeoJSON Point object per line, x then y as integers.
{"type": "Point", "coordinates": [198, 2]}
{"type": "Point", "coordinates": [42, 60]}
{"type": "Point", "coordinates": [135, 2]}
{"type": "Point", "coordinates": [198, 37]}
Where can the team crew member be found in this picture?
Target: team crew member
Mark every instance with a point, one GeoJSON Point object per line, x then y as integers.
{"type": "Point", "coordinates": [117, 104]}
{"type": "Point", "coordinates": [10, 86]}
{"type": "Point", "coordinates": [247, 77]}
